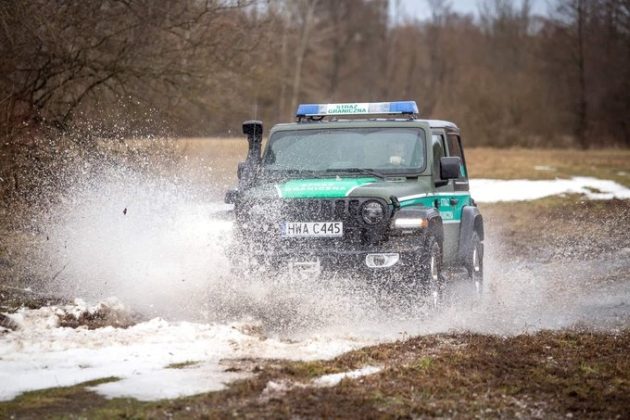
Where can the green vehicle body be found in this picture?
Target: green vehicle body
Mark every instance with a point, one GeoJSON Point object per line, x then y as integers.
{"type": "Point", "coordinates": [445, 205]}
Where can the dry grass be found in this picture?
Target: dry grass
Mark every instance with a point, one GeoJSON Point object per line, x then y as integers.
{"type": "Point", "coordinates": [212, 159]}
{"type": "Point", "coordinates": [552, 163]}
{"type": "Point", "coordinates": [216, 157]}
{"type": "Point", "coordinates": [223, 154]}
{"type": "Point", "coordinates": [569, 227]}
{"type": "Point", "coordinates": [209, 161]}
{"type": "Point", "coordinates": [549, 374]}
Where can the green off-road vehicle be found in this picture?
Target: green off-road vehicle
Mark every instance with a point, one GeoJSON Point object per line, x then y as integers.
{"type": "Point", "coordinates": [365, 188]}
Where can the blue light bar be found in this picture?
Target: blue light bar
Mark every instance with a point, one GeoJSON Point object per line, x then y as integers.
{"type": "Point", "coordinates": [373, 108]}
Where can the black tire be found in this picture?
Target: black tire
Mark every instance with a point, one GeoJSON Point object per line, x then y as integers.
{"type": "Point", "coordinates": [431, 273]}
{"type": "Point", "coordinates": [425, 278]}
{"type": "Point", "coordinates": [474, 265]}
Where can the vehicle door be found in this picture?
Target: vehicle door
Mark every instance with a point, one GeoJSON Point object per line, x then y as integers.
{"type": "Point", "coordinates": [454, 148]}
{"type": "Point", "coordinates": [450, 195]}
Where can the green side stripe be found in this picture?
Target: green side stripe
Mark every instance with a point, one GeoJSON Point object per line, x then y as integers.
{"type": "Point", "coordinates": [321, 187]}
{"type": "Point", "coordinates": [448, 212]}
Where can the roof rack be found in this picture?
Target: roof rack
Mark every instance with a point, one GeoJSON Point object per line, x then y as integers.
{"type": "Point", "coordinates": [317, 112]}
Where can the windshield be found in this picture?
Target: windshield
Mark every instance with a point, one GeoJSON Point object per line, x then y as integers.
{"type": "Point", "coordinates": [385, 150]}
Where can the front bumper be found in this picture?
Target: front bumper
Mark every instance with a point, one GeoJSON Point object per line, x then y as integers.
{"type": "Point", "coordinates": [334, 257]}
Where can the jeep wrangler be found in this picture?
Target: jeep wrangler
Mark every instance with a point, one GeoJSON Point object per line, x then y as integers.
{"type": "Point", "coordinates": [368, 188]}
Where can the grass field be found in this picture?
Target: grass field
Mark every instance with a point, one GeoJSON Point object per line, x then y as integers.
{"type": "Point", "coordinates": [549, 163]}
{"type": "Point", "coordinates": [221, 155]}
{"type": "Point", "coordinates": [546, 374]}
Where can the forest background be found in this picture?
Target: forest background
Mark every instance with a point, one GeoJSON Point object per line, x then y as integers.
{"type": "Point", "coordinates": [73, 71]}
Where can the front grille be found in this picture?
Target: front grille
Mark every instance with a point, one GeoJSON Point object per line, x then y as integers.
{"type": "Point", "coordinates": [270, 214]}
{"type": "Point", "coordinates": [320, 210]}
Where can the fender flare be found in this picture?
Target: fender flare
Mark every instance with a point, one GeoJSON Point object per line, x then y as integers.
{"type": "Point", "coordinates": [472, 221]}
{"type": "Point", "coordinates": [437, 228]}
{"type": "Point", "coordinates": [429, 213]}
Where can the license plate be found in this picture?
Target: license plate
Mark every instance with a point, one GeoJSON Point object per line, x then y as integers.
{"type": "Point", "coordinates": [312, 229]}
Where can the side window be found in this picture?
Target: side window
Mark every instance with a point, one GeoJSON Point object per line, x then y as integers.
{"type": "Point", "coordinates": [438, 152]}
{"type": "Point", "coordinates": [455, 149]}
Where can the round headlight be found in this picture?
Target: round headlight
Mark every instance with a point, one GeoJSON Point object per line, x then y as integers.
{"type": "Point", "coordinates": [372, 212]}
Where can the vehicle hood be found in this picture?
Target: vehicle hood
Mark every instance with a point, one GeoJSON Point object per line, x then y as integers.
{"type": "Point", "coordinates": [339, 187]}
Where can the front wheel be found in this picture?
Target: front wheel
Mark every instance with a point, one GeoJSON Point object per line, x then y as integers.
{"type": "Point", "coordinates": [424, 278]}
{"type": "Point", "coordinates": [431, 273]}
{"type": "Point", "coordinates": [474, 265]}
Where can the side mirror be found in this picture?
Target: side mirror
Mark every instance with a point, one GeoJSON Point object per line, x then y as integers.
{"type": "Point", "coordinates": [449, 167]}
{"type": "Point", "coordinates": [231, 196]}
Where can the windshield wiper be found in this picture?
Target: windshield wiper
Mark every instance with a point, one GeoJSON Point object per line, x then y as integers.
{"type": "Point", "coordinates": [290, 173]}
{"type": "Point", "coordinates": [364, 171]}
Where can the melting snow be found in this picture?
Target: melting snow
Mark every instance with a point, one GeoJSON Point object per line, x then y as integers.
{"type": "Point", "coordinates": [495, 190]}
{"type": "Point", "coordinates": [41, 355]}
{"type": "Point", "coordinates": [275, 389]}
{"type": "Point", "coordinates": [334, 378]}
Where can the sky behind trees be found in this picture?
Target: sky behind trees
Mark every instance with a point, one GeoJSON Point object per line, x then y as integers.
{"type": "Point", "coordinates": [419, 9]}
{"type": "Point", "coordinates": [200, 67]}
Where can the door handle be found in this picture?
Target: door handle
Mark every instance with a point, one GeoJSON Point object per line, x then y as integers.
{"type": "Point", "coordinates": [453, 201]}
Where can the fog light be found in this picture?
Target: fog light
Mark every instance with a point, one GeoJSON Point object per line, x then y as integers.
{"type": "Point", "coordinates": [381, 260]}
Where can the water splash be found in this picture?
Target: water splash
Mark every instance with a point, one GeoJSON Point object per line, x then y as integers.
{"type": "Point", "coordinates": [158, 243]}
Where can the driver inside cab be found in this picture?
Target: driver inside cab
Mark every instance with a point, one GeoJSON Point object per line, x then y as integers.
{"type": "Point", "coordinates": [397, 155]}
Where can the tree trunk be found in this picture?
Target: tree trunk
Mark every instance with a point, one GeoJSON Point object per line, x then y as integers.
{"type": "Point", "coordinates": [301, 51]}
{"type": "Point", "coordinates": [582, 116]}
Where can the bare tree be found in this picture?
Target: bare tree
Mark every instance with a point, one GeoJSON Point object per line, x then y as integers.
{"type": "Point", "coordinates": [305, 11]}
{"type": "Point", "coordinates": [574, 12]}
{"type": "Point", "coordinates": [59, 56]}
{"type": "Point", "coordinates": [200, 66]}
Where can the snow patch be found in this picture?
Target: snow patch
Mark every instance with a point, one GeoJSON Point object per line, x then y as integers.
{"type": "Point", "coordinates": [40, 355]}
{"type": "Point", "coordinates": [159, 260]}
{"type": "Point", "coordinates": [334, 378]}
{"type": "Point", "coordinates": [276, 389]}
{"type": "Point", "coordinates": [496, 190]}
